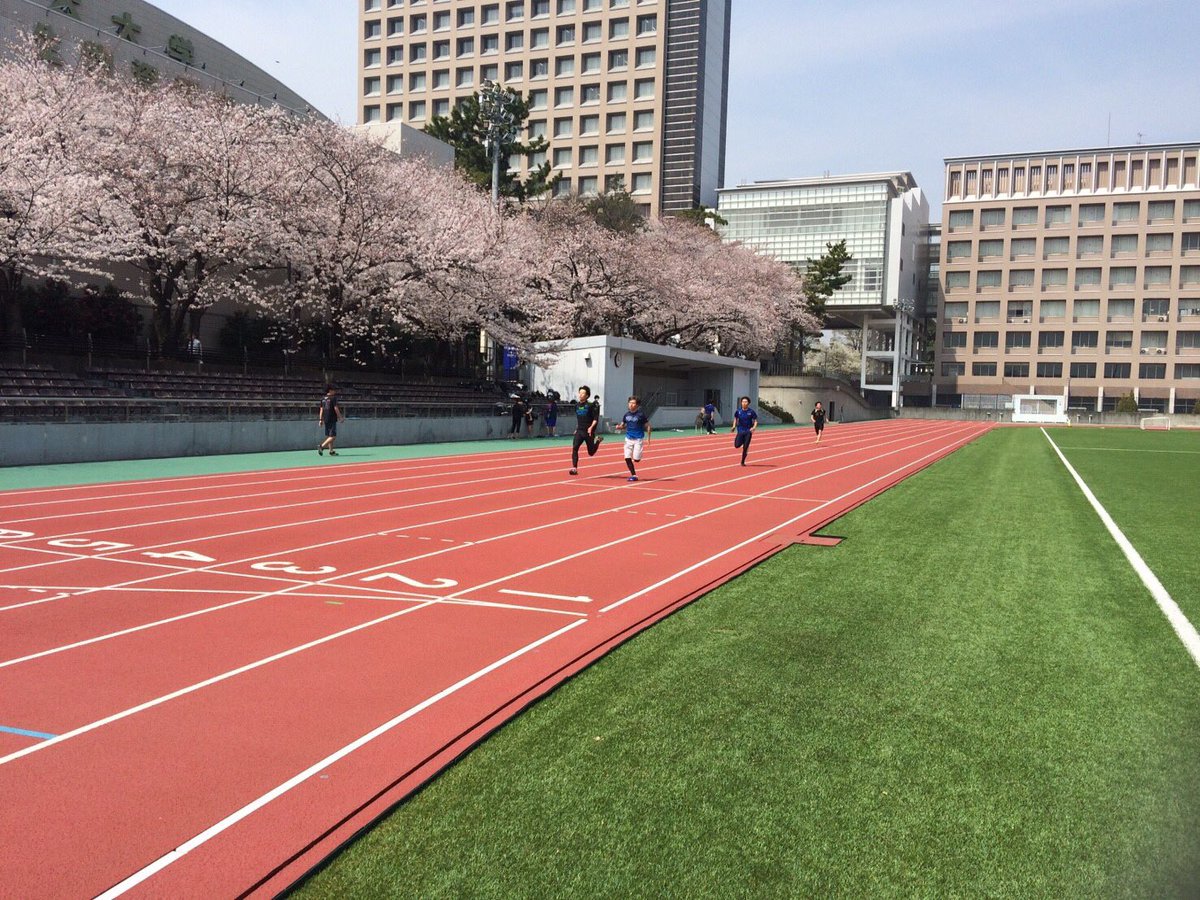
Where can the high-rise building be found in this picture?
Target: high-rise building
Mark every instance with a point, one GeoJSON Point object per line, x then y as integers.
{"type": "Point", "coordinates": [633, 91]}
{"type": "Point", "coordinates": [1075, 272]}
{"type": "Point", "coordinates": [884, 220]}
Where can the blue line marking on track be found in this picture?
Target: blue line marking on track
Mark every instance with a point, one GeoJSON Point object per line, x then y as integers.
{"type": "Point", "coordinates": [33, 734]}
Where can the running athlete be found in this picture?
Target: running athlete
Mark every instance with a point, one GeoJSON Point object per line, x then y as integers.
{"type": "Point", "coordinates": [745, 420]}
{"type": "Point", "coordinates": [818, 419]}
{"type": "Point", "coordinates": [587, 415]}
{"type": "Point", "coordinates": [637, 435]}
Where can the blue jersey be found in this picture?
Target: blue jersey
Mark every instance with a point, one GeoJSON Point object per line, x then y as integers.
{"type": "Point", "coordinates": [709, 410]}
{"type": "Point", "coordinates": [635, 424]}
{"type": "Point", "coordinates": [745, 419]}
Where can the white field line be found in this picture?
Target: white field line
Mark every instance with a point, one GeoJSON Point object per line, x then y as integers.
{"type": "Point", "coordinates": [1183, 628]}
{"type": "Point", "coordinates": [63, 557]}
{"type": "Point", "coordinates": [458, 595]}
{"type": "Point", "coordinates": [1135, 450]}
{"type": "Point", "coordinates": [299, 778]}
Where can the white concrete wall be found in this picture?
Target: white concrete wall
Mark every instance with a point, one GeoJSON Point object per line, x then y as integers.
{"type": "Point", "coordinates": [39, 444]}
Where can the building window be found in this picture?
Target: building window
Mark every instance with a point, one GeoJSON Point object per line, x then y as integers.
{"type": "Point", "coordinates": [641, 183]}
{"type": "Point", "coordinates": [1087, 279]}
{"type": "Point", "coordinates": [395, 84]}
{"type": "Point", "coordinates": [514, 40]}
{"type": "Point", "coordinates": [954, 340]}
{"type": "Point", "coordinates": [539, 68]}
{"type": "Point", "coordinates": [618, 92]}
{"type": "Point", "coordinates": [647, 25]}
{"type": "Point", "coordinates": [1152, 371]}
{"type": "Point", "coordinates": [514, 71]}
{"type": "Point", "coordinates": [986, 340]}
{"type": "Point", "coordinates": [589, 63]}
{"type": "Point", "coordinates": [564, 128]}
{"type": "Point", "coordinates": [991, 218]}
{"type": "Point", "coordinates": [1125, 213]}
{"type": "Point", "coordinates": [1089, 246]}
{"type": "Point", "coordinates": [416, 109]}
{"type": "Point", "coordinates": [370, 114]}
{"type": "Point", "coordinates": [538, 99]}
{"type": "Point", "coordinates": [589, 94]}
{"type": "Point", "coordinates": [1159, 244]}
{"type": "Point", "coordinates": [1017, 340]}
{"type": "Point", "coordinates": [1083, 370]}
{"type": "Point", "coordinates": [643, 151]}
{"type": "Point", "coordinates": [1049, 370]}
{"type": "Point", "coordinates": [987, 279]}
{"type": "Point", "coordinates": [441, 80]}
{"type": "Point", "coordinates": [592, 32]}
{"type": "Point", "coordinates": [614, 154]}
{"type": "Point", "coordinates": [645, 57]}
{"type": "Point", "coordinates": [618, 60]}
{"type": "Point", "coordinates": [589, 125]}
{"type": "Point", "coordinates": [539, 39]}
{"type": "Point", "coordinates": [1084, 340]}
{"type": "Point", "coordinates": [1058, 215]}
{"type": "Point", "coordinates": [537, 129]}
{"type": "Point", "coordinates": [1118, 340]}
{"type": "Point", "coordinates": [1187, 371]}
{"type": "Point", "coordinates": [416, 82]}
{"type": "Point", "coordinates": [587, 187]}
{"type": "Point", "coordinates": [1117, 370]}
{"type": "Point", "coordinates": [1158, 275]}
{"type": "Point", "coordinates": [1021, 248]}
{"type": "Point", "coordinates": [395, 112]}
{"type": "Point", "coordinates": [562, 157]}
{"type": "Point", "coordinates": [643, 89]}
{"type": "Point", "coordinates": [643, 120]}
{"type": "Point", "coordinates": [958, 280]}
{"type": "Point", "coordinates": [562, 188]}
{"type": "Point", "coordinates": [950, 369]}
{"type": "Point", "coordinates": [371, 86]}
{"type": "Point", "coordinates": [565, 35]}
{"type": "Point", "coordinates": [962, 220]}
{"type": "Point", "coordinates": [490, 14]}
{"type": "Point", "coordinates": [566, 7]}
{"type": "Point", "coordinates": [1016, 370]}
{"type": "Point", "coordinates": [616, 123]}
{"type": "Point", "coordinates": [1160, 211]}
{"type": "Point", "coordinates": [1053, 278]}
{"type": "Point", "coordinates": [589, 156]}
{"type": "Point", "coordinates": [515, 11]}
{"type": "Point", "coordinates": [372, 30]}
{"type": "Point", "coordinates": [983, 369]}
{"type": "Point", "coordinates": [1091, 213]}
{"type": "Point", "coordinates": [618, 29]}
{"type": "Point", "coordinates": [991, 249]}
{"type": "Point", "coordinates": [465, 77]}
{"type": "Point", "coordinates": [1050, 340]}
{"type": "Point", "coordinates": [564, 96]}
{"type": "Point", "coordinates": [371, 59]}
{"type": "Point", "coordinates": [1024, 216]}
{"type": "Point", "coordinates": [958, 250]}
{"type": "Point", "coordinates": [1020, 278]}
{"type": "Point", "coordinates": [539, 8]}
{"type": "Point", "coordinates": [564, 66]}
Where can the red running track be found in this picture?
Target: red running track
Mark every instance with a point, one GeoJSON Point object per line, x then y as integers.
{"type": "Point", "coordinates": [208, 684]}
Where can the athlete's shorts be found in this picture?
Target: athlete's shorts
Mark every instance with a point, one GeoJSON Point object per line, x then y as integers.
{"type": "Point", "coordinates": [742, 438]}
{"type": "Point", "coordinates": [331, 429]}
{"type": "Point", "coordinates": [819, 426]}
{"type": "Point", "coordinates": [633, 448]}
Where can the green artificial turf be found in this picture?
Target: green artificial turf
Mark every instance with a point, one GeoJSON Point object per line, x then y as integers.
{"type": "Point", "coordinates": [971, 696]}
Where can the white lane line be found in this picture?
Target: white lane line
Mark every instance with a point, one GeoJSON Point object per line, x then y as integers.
{"type": "Point", "coordinates": [299, 778]}
{"type": "Point", "coordinates": [1183, 628]}
{"type": "Point", "coordinates": [775, 528]}
{"type": "Point", "coordinates": [579, 599]}
{"type": "Point", "coordinates": [208, 682]}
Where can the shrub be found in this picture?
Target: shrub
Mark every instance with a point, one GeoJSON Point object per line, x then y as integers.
{"type": "Point", "coordinates": [778, 411]}
{"type": "Point", "coordinates": [1127, 404]}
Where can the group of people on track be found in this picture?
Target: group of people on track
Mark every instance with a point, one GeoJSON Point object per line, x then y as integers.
{"type": "Point", "coordinates": [634, 423]}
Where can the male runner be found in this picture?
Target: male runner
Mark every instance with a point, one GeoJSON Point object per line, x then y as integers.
{"type": "Point", "coordinates": [818, 420]}
{"type": "Point", "coordinates": [328, 416]}
{"type": "Point", "coordinates": [637, 435]}
{"type": "Point", "coordinates": [587, 415]}
{"type": "Point", "coordinates": [745, 420]}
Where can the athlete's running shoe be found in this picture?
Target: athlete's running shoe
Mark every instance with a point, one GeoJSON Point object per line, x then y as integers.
{"type": "Point", "coordinates": [320, 451]}
{"type": "Point", "coordinates": [573, 472]}
{"type": "Point", "coordinates": [631, 478]}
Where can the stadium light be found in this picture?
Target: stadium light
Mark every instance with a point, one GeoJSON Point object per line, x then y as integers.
{"type": "Point", "coordinates": [497, 106]}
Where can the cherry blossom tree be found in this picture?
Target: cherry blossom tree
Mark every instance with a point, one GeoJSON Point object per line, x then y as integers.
{"type": "Point", "coordinates": [188, 176]}
{"type": "Point", "coordinates": [46, 196]}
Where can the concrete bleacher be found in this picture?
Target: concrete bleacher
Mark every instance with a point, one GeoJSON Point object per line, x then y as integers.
{"type": "Point", "coordinates": [41, 393]}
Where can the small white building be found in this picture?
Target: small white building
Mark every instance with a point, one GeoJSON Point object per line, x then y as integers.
{"type": "Point", "coordinates": [672, 383]}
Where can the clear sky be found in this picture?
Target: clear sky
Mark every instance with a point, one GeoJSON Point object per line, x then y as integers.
{"type": "Point", "coordinates": [860, 85]}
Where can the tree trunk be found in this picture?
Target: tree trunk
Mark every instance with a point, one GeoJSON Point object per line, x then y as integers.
{"type": "Point", "coordinates": [12, 332]}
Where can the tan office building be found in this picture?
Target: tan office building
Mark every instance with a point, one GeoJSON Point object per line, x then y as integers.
{"type": "Point", "coordinates": [634, 90]}
{"type": "Point", "coordinates": [1074, 272]}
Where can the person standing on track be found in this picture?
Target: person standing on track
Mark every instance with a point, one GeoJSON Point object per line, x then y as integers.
{"type": "Point", "coordinates": [709, 411]}
{"type": "Point", "coordinates": [550, 419]}
{"type": "Point", "coordinates": [818, 420]}
{"type": "Point", "coordinates": [587, 416]}
{"type": "Point", "coordinates": [637, 435]}
{"type": "Point", "coordinates": [745, 420]}
{"type": "Point", "coordinates": [328, 415]}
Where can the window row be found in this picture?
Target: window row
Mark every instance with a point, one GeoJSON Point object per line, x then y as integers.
{"type": "Point", "coordinates": [422, 23]}
{"type": "Point", "coordinates": [639, 122]}
{"type": "Point", "coordinates": [513, 41]}
{"type": "Point", "coordinates": [440, 80]}
{"type": "Point", "coordinates": [1085, 278]}
{"type": "Point", "coordinates": [1154, 309]}
{"type": "Point", "coordinates": [1174, 171]}
{"type": "Point", "coordinates": [588, 186]}
{"type": "Point", "coordinates": [1151, 343]}
{"type": "Point", "coordinates": [1082, 370]}
{"type": "Point", "coordinates": [514, 10]}
{"type": "Point", "coordinates": [1086, 246]}
{"type": "Point", "coordinates": [1158, 212]}
{"type": "Point", "coordinates": [644, 58]}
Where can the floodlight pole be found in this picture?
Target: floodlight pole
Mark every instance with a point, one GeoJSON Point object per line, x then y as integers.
{"type": "Point", "coordinates": [495, 105]}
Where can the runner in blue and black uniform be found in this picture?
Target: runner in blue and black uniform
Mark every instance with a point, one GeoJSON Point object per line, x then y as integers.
{"type": "Point", "coordinates": [587, 416]}
{"type": "Point", "coordinates": [745, 420]}
{"type": "Point", "coordinates": [637, 434]}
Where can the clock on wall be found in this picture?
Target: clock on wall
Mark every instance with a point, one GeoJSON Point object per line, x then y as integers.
{"type": "Point", "coordinates": [617, 358]}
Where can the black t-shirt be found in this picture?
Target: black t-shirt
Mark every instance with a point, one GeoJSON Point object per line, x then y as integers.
{"type": "Point", "coordinates": [818, 416]}
{"type": "Point", "coordinates": [329, 410]}
{"type": "Point", "coordinates": [585, 414]}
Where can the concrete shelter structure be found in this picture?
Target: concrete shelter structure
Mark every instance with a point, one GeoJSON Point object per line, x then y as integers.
{"type": "Point", "coordinates": [673, 384]}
